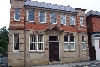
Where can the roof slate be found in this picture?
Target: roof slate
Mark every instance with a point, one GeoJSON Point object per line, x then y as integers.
{"type": "Point", "coordinates": [49, 6]}
{"type": "Point", "coordinates": [94, 13]}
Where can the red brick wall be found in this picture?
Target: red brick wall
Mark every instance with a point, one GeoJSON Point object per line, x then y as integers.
{"type": "Point", "coordinates": [96, 24]}
{"type": "Point", "coordinates": [42, 26]}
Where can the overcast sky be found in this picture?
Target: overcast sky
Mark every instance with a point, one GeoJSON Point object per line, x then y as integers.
{"type": "Point", "coordinates": [85, 4]}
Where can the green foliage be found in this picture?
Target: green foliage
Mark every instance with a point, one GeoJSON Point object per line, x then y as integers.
{"type": "Point", "coordinates": [4, 39]}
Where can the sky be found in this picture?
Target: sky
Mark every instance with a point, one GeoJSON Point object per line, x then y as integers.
{"type": "Point", "coordinates": [84, 4]}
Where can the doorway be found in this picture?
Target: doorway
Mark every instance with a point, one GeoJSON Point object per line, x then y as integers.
{"type": "Point", "coordinates": [53, 48]}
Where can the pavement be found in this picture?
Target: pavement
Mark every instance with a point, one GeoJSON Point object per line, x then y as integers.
{"type": "Point", "coordinates": [79, 64]}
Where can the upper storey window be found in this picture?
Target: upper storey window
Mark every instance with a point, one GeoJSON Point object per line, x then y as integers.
{"type": "Point", "coordinates": [72, 20]}
{"type": "Point", "coordinates": [42, 17]}
{"type": "Point", "coordinates": [53, 17]}
{"type": "Point", "coordinates": [17, 15]}
{"type": "Point", "coordinates": [81, 21]}
{"type": "Point", "coordinates": [30, 15]}
{"type": "Point", "coordinates": [63, 19]}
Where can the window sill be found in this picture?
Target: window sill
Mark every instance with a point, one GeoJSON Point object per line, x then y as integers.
{"type": "Point", "coordinates": [53, 23]}
{"type": "Point", "coordinates": [16, 20]}
{"type": "Point", "coordinates": [36, 52]}
{"type": "Point", "coordinates": [72, 25]}
{"type": "Point", "coordinates": [69, 51]}
{"type": "Point", "coordinates": [16, 51]}
{"type": "Point", "coordinates": [42, 22]}
{"type": "Point", "coordinates": [81, 25]}
{"type": "Point", "coordinates": [83, 49]}
{"type": "Point", "coordinates": [30, 21]}
{"type": "Point", "coordinates": [63, 24]}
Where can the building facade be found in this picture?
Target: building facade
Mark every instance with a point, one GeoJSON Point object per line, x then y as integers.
{"type": "Point", "coordinates": [43, 33]}
{"type": "Point", "coordinates": [93, 28]}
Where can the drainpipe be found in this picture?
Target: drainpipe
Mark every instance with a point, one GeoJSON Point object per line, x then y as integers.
{"type": "Point", "coordinates": [78, 41]}
{"type": "Point", "coordinates": [24, 41]}
{"type": "Point", "coordinates": [79, 46]}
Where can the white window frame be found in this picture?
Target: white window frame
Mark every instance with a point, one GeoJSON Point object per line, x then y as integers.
{"type": "Point", "coordinates": [83, 43]}
{"type": "Point", "coordinates": [40, 42]}
{"type": "Point", "coordinates": [28, 14]}
{"type": "Point", "coordinates": [81, 21]}
{"type": "Point", "coordinates": [63, 19]}
{"type": "Point", "coordinates": [74, 44]}
{"type": "Point", "coordinates": [32, 42]}
{"type": "Point", "coordinates": [14, 42]}
{"type": "Point", "coordinates": [45, 16]}
{"type": "Point", "coordinates": [37, 44]}
{"type": "Point", "coordinates": [67, 43]}
{"type": "Point", "coordinates": [55, 18]}
{"type": "Point", "coordinates": [72, 18]}
{"type": "Point", "coordinates": [15, 14]}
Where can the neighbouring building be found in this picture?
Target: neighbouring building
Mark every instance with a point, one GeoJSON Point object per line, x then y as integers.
{"type": "Point", "coordinates": [42, 33]}
{"type": "Point", "coordinates": [93, 28]}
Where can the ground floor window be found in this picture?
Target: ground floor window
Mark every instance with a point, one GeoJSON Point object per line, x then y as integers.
{"type": "Point", "coordinates": [83, 43]}
{"type": "Point", "coordinates": [36, 43]}
{"type": "Point", "coordinates": [16, 42]}
{"type": "Point", "coordinates": [69, 42]}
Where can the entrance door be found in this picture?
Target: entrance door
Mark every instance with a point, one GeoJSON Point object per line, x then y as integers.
{"type": "Point", "coordinates": [53, 51]}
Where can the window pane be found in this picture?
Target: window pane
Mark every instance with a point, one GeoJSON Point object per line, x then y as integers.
{"type": "Point", "coordinates": [53, 20]}
{"type": "Point", "coordinates": [81, 18]}
{"type": "Point", "coordinates": [30, 15]}
{"type": "Point", "coordinates": [63, 21]}
{"type": "Point", "coordinates": [53, 38]}
{"type": "Point", "coordinates": [83, 45]}
{"type": "Point", "coordinates": [40, 46]}
{"type": "Point", "coordinates": [62, 16]}
{"type": "Point", "coordinates": [72, 20]}
{"type": "Point", "coordinates": [65, 38]}
{"type": "Point", "coordinates": [42, 19]}
{"type": "Point", "coordinates": [30, 12]}
{"type": "Point", "coordinates": [71, 45]}
{"type": "Point", "coordinates": [66, 46]}
{"type": "Point", "coordinates": [17, 14]}
{"type": "Point", "coordinates": [32, 46]}
{"type": "Point", "coordinates": [17, 11]}
{"type": "Point", "coordinates": [16, 41]}
{"type": "Point", "coordinates": [53, 15]}
{"type": "Point", "coordinates": [42, 16]}
{"type": "Point", "coordinates": [32, 38]}
{"type": "Point", "coordinates": [40, 38]}
{"type": "Point", "coordinates": [71, 38]}
{"type": "Point", "coordinates": [30, 18]}
{"type": "Point", "coordinates": [83, 39]}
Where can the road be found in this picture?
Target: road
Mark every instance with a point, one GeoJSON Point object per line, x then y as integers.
{"type": "Point", "coordinates": [80, 64]}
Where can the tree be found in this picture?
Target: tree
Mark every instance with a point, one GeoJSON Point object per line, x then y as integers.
{"type": "Point", "coordinates": [4, 39]}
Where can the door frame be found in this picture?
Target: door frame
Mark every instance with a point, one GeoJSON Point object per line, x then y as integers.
{"type": "Point", "coordinates": [56, 41]}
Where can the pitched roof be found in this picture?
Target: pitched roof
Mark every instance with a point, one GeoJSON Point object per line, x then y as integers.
{"type": "Point", "coordinates": [49, 6]}
{"type": "Point", "coordinates": [93, 13]}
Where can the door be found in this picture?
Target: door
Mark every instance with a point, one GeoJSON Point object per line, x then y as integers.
{"type": "Point", "coordinates": [53, 51]}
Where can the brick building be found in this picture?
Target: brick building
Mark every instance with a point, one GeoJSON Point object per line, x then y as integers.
{"type": "Point", "coordinates": [43, 33]}
{"type": "Point", "coordinates": [93, 28]}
